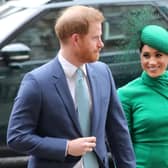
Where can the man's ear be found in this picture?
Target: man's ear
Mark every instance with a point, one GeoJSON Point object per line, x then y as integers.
{"type": "Point", "coordinates": [75, 39]}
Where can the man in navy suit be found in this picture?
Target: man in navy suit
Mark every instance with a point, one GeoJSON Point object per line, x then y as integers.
{"type": "Point", "coordinates": [44, 121]}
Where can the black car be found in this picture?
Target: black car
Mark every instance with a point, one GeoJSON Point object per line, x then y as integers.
{"type": "Point", "coordinates": [28, 40]}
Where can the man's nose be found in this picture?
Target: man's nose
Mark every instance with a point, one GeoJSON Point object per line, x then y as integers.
{"type": "Point", "coordinates": [100, 43]}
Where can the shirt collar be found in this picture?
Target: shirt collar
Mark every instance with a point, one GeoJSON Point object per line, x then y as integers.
{"type": "Point", "coordinates": [70, 69]}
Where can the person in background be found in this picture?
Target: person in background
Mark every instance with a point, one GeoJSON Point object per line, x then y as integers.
{"type": "Point", "coordinates": [59, 125]}
{"type": "Point", "coordinates": [145, 101]}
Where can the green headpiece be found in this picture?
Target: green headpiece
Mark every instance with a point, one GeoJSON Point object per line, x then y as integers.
{"type": "Point", "coordinates": [156, 37]}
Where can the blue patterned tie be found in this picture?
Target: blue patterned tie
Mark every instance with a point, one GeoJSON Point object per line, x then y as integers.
{"type": "Point", "coordinates": [82, 100]}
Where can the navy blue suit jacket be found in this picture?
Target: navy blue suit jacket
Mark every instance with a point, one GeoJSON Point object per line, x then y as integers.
{"type": "Point", "coordinates": [44, 118]}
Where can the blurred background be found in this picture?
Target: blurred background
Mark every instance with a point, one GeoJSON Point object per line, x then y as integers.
{"type": "Point", "coordinates": [3, 1]}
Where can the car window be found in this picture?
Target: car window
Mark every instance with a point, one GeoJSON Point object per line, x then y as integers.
{"type": "Point", "coordinates": [121, 38]}
{"type": "Point", "coordinates": [40, 36]}
{"type": "Point", "coordinates": [123, 24]}
{"type": "Point", "coordinates": [17, 20]}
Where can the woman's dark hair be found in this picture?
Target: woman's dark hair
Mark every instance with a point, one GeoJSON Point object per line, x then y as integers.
{"type": "Point", "coordinates": [141, 46]}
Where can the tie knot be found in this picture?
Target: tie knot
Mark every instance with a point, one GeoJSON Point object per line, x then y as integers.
{"type": "Point", "coordinates": [79, 73]}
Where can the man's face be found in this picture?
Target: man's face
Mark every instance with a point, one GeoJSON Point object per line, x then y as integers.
{"type": "Point", "coordinates": [90, 44]}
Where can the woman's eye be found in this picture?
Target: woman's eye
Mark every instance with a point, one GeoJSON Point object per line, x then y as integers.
{"type": "Point", "coordinates": [158, 55]}
{"type": "Point", "coordinates": [146, 55]}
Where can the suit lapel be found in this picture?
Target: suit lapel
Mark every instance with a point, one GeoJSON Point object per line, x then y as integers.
{"type": "Point", "coordinates": [63, 90]}
{"type": "Point", "coordinates": [93, 81]}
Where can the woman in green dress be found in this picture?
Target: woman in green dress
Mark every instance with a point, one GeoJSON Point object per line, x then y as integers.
{"type": "Point", "coordinates": [145, 101]}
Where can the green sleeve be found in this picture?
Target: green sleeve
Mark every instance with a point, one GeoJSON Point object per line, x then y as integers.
{"type": "Point", "coordinates": [126, 104]}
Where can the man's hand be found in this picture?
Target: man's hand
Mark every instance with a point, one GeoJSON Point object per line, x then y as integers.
{"type": "Point", "coordinates": [80, 146]}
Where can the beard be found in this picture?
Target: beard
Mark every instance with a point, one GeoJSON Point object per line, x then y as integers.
{"type": "Point", "coordinates": [89, 57]}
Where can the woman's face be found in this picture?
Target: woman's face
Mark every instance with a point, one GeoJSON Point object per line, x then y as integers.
{"type": "Point", "coordinates": [153, 61]}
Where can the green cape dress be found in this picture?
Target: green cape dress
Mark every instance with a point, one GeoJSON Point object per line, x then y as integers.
{"type": "Point", "coordinates": [145, 102]}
